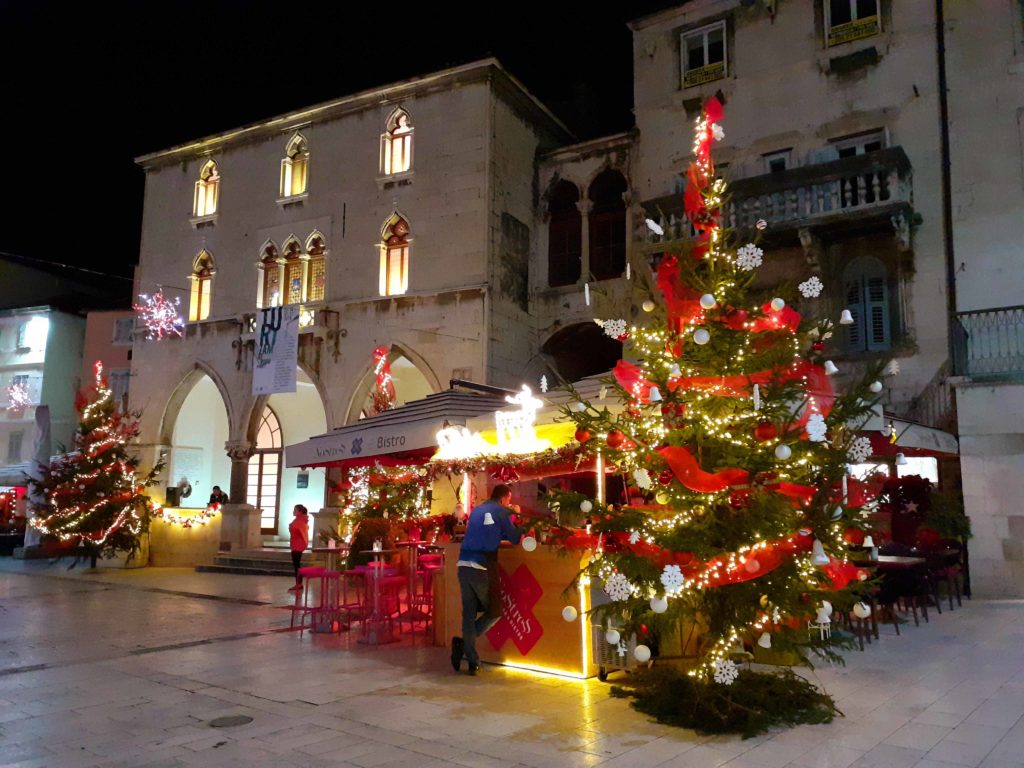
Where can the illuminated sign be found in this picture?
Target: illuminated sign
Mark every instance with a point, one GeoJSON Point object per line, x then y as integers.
{"type": "Point", "coordinates": [515, 433]}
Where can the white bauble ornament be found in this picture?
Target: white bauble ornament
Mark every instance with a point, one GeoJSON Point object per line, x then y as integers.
{"type": "Point", "coordinates": [707, 301]}
{"type": "Point", "coordinates": [837, 513]}
{"type": "Point", "coordinates": [876, 386]}
{"type": "Point", "coordinates": [648, 305]}
{"type": "Point", "coordinates": [585, 506]}
{"type": "Point", "coordinates": [659, 604]}
{"type": "Point", "coordinates": [577, 407]}
{"type": "Point", "coordinates": [778, 304]}
{"type": "Point", "coordinates": [752, 566]}
{"type": "Point", "coordinates": [701, 336]}
{"type": "Point", "coordinates": [642, 653]}
{"type": "Point", "coordinates": [569, 613]}
{"type": "Point", "coordinates": [783, 452]}
{"type": "Point", "coordinates": [828, 607]}
{"type": "Point", "coordinates": [862, 610]}
{"type": "Point", "coordinates": [529, 543]}
{"type": "Point", "coordinates": [612, 636]}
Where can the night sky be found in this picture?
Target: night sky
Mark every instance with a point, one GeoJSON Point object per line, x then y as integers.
{"type": "Point", "coordinates": [87, 87]}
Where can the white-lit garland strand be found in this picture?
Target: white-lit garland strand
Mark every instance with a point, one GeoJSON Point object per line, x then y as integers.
{"type": "Point", "coordinates": [159, 316]}
{"type": "Point", "coordinates": [201, 517]}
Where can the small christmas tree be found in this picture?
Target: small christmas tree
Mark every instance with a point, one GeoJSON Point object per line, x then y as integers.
{"type": "Point", "coordinates": [734, 446]}
{"type": "Point", "coordinates": [94, 494]}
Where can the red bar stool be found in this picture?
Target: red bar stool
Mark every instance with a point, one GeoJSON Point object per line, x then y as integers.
{"type": "Point", "coordinates": [302, 607]}
{"type": "Point", "coordinates": [327, 614]}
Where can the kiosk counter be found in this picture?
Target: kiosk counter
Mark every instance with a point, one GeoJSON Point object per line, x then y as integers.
{"type": "Point", "coordinates": [531, 633]}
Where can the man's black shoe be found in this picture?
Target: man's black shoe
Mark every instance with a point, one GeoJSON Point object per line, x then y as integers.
{"type": "Point", "coordinates": [472, 671]}
{"type": "Point", "coordinates": [457, 647]}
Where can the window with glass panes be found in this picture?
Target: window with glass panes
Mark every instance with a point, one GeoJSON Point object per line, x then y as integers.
{"type": "Point", "coordinates": [294, 168]}
{"type": "Point", "coordinates": [394, 259]}
{"type": "Point", "coordinates": [317, 271]}
{"type": "Point", "coordinates": [703, 53]}
{"type": "Point", "coordinates": [264, 482]}
{"type": "Point", "coordinates": [848, 20]}
{"type": "Point", "coordinates": [396, 144]}
{"type": "Point", "coordinates": [207, 191]}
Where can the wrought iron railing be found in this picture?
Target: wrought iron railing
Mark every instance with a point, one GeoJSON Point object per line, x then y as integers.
{"type": "Point", "coordinates": [989, 343]}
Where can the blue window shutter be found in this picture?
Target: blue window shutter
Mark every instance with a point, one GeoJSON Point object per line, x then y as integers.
{"type": "Point", "coordinates": [876, 301]}
{"type": "Point", "coordinates": [854, 297]}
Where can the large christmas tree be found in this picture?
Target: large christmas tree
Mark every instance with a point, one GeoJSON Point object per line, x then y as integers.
{"type": "Point", "coordinates": [735, 446]}
{"type": "Point", "coordinates": [94, 493]}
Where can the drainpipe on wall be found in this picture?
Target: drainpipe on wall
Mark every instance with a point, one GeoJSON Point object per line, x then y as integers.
{"type": "Point", "coordinates": [947, 194]}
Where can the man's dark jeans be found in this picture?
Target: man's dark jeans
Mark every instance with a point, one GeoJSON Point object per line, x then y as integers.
{"type": "Point", "coordinates": [476, 599]}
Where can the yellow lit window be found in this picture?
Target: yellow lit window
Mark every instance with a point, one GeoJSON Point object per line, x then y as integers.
{"type": "Point", "coordinates": [396, 144]}
{"type": "Point", "coordinates": [394, 258]}
{"type": "Point", "coordinates": [202, 287]}
{"type": "Point", "coordinates": [295, 168]}
{"type": "Point", "coordinates": [317, 267]}
{"type": "Point", "coordinates": [207, 190]}
{"type": "Point", "coordinates": [849, 20]}
{"type": "Point", "coordinates": [270, 278]}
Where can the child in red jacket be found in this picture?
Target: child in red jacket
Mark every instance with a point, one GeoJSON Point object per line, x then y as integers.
{"type": "Point", "coordinates": [298, 530]}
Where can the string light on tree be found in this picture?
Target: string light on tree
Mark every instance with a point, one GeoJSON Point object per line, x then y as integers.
{"type": "Point", "coordinates": [159, 316]}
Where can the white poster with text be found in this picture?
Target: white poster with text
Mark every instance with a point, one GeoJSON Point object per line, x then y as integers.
{"type": "Point", "coordinates": [277, 350]}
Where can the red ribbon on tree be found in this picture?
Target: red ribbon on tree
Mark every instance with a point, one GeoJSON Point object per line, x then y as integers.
{"type": "Point", "coordinates": [686, 469]}
{"type": "Point", "coordinates": [384, 389]}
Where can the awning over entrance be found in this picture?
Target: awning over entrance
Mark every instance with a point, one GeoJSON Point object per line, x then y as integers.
{"type": "Point", "coordinates": [407, 433]}
{"type": "Point", "coordinates": [911, 438]}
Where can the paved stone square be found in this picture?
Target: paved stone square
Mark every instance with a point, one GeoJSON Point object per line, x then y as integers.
{"type": "Point", "coordinates": [128, 668]}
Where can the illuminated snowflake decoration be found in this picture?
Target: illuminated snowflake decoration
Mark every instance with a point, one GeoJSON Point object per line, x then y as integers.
{"type": "Point", "coordinates": [726, 671]}
{"type": "Point", "coordinates": [816, 428]}
{"type": "Point", "coordinates": [717, 131]}
{"type": "Point", "coordinates": [859, 450]}
{"type": "Point", "coordinates": [159, 316]}
{"type": "Point", "coordinates": [642, 478]}
{"type": "Point", "coordinates": [672, 578]}
{"type": "Point", "coordinates": [811, 288]}
{"type": "Point", "coordinates": [18, 398]}
{"type": "Point", "coordinates": [616, 329]}
{"type": "Point", "coordinates": [618, 587]}
{"type": "Point", "coordinates": [749, 257]}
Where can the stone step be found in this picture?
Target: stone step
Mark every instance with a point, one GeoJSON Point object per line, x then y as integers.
{"type": "Point", "coordinates": [241, 571]}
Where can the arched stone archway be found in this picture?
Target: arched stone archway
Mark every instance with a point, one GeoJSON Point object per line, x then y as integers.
{"type": "Point", "coordinates": [196, 425]}
{"type": "Point", "coordinates": [582, 350]}
{"type": "Point", "coordinates": [413, 380]}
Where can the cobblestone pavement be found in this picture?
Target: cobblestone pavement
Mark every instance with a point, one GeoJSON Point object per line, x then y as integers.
{"type": "Point", "coordinates": [128, 668]}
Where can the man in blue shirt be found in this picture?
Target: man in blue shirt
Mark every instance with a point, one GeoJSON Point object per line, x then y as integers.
{"type": "Point", "coordinates": [489, 524]}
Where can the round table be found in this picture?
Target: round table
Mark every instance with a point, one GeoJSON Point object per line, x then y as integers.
{"type": "Point", "coordinates": [375, 629]}
{"type": "Point", "coordinates": [331, 555]}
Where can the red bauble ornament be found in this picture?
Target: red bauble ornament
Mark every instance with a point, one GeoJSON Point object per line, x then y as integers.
{"type": "Point", "coordinates": [680, 409]}
{"type": "Point", "coordinates": [582, 435]}
{"type": "Point", "coordinates": [615, 438]}
{"type": "Point", "coordinates": [766, 430]}
{"type": "Point", "coordinates": [818, 346]}
{"type": "Point", "coordinates": [739, 499]}
{"type": "Point", "coordinates": [665, 478]}
{"type": "Point", "coordinates": [854, 536]}
{"type": "Point", "coordinates": [628, 445]}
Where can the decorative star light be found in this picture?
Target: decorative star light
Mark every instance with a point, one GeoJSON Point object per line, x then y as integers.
{"type": "Point", "coordinates": [911, 507]}
{"type": "Point", "coordinates": [642, 478]}
{"type": "Point", "coordinates": [18, 398]}
{"type": "Point", "coordinates": [816, 428]}
{"type": "Point", "coordinates": [726, 671]}
{"type": "Point", "coordinates": [618, 587]}
{"type": "Point", "coordinates": [749, 257]}
{"type": "Point", "coordinates": [811, 288]}
{"type": "Point", "coordinates": [859, 450]}
{"type": "Point", "coordinates": [158, 315]}
{"type": "Point", "coordinates": [672, 578]}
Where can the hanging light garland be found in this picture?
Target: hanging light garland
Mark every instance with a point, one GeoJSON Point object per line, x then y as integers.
{"type": "Point", "coordinates": [202, 517]}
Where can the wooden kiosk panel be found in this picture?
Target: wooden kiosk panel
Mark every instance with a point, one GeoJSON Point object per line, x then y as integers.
{"type": "Point", "coordinates": [531, 633]}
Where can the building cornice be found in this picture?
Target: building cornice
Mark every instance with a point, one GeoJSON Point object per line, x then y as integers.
{"type": "Point", "coordinates": [484, 70]}
{"type": "Point", "coordinates": [614, 141]}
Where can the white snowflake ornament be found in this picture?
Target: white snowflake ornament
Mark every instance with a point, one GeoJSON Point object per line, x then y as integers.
{"type": "Point", "coordinates": [816, 428]}
{"type": "Point", "coordinates": [717, 131]}
{"type": "Point", "coordinates": [811, 288]}
{"type": "Point", "coordinates": [749, 257]}
{"type": "Point", "coordinates": [616, 329]}
{"type": "Point", "coordinates": [618, 587]}
{"type": "Point", "coordinates": [859, 450]}
{"type": "Point", "coordinates": [672, 578]}
{"type": "Point", "coordinates": [642, 478]}
{"type": "Point", "coordinates": [726, 671]}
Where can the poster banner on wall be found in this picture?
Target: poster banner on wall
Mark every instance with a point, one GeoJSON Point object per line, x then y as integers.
{"type": "Point", "coordinates": [277, 350]}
